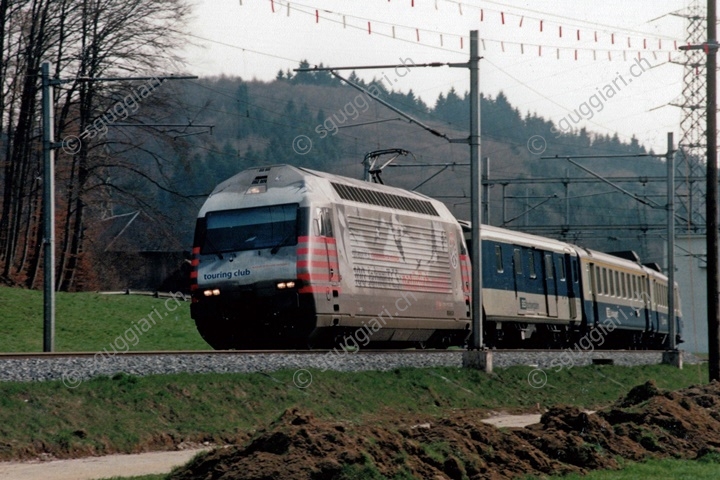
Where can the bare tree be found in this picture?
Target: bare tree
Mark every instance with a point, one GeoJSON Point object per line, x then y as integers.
{"type": "Point", "coordinates": [82, 38]}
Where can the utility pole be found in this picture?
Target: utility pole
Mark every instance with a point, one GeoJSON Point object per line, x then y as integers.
{"type": "Point", "coordinates": [48, 211]}
{"type": "Point", "coordinates": [670, 160]}
{"type": "Point", "coordinates": [49, 146]}
{"type": "Point", "coordinates": [486, 191]}
{"type": "Point", "coordinates": [711, 207]}
{"type": "Point", "coordinates": [711, 189]}
{"type": "Point", "coordinates": [475, 194]}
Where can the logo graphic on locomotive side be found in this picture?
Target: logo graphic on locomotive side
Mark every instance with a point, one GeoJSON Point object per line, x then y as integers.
{"type": "Point", "coordinates": [227, 275]}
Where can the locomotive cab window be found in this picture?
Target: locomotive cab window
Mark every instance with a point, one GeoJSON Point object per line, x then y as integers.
{"type": "Point", "coordinates": [272, 226]}
{"type": "Point", "coordinates": [323, 222]}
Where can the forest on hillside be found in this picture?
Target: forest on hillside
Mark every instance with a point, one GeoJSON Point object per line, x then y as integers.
{"type": "Point", "coordinates": [141, 156]}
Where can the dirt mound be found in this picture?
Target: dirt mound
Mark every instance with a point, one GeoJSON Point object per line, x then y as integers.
{"type": "Point", "coordinates": [647, 422]}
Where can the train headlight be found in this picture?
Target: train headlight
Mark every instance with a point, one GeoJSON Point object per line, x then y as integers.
{"type": "Point", "coordinates": [216, 291]}
{"type": "Point", "coordinates": [207, 293]}
{"type": "Point", "coordinates": [281, 285]}
{"type": "Point", "coordinates": [290, 284]}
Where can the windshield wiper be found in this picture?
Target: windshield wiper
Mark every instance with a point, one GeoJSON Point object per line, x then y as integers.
{"type": "Point", "coordinates": [276, 248]}
{"type": "Point", "coordinates": [212, 246]}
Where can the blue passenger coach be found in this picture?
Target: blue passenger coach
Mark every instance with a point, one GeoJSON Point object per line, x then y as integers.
{"type": "Point", "coordinates": [548, 293]}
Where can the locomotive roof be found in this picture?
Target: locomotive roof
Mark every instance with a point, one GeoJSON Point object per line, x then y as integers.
{"type": "Point", "coordinates": [286, 179]}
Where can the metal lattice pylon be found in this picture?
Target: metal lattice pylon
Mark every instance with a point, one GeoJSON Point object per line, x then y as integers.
{"type": "Point", "coordinates": [692, 148]}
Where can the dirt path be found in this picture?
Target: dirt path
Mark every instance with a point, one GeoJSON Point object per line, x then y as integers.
{"type": "Point", "coordinates": [93, 468]}
{"type": "Point", "coordinates": [501, 421]}
{"type": "Point", "coordinates": [519, 421]}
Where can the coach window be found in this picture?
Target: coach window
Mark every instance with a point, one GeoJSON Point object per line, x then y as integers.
{"type": "Point", "coordinates": [531, 264]}
{"type": "Point", "coordinates": [653, 289]}
{"type": "Point", "coordinates": [656, 296]}
{"type": "Point", "coordinates": [517, 260]}
{"type": "Point", "coordinates": [624, 284]}
{"type": "Point", "coordinates": [598, 280]}
{"type": "Point", "coordinates": [499, 259]}
{"type": "Point", "coordinates": [611, 282]}
{"type": "Point", "coordinates": [575, 268]}
{"type": "Point", "coordinates": [548, 266]}
{"type": "Point", "coordinates": [561, 269]}
{"type": "Point", "coordinates": [605, 281]}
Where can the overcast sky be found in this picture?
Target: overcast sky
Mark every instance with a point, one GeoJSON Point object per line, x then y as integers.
{"type": "Point", "coordinates": [247, 38]}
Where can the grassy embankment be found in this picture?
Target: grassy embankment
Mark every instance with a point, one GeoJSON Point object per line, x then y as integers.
{"type": "Point", "coordinates": [90, 322]}
{"type": "Point", "coordinates": [130, 414]}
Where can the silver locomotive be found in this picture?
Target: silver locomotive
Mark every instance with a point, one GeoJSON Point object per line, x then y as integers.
{"type": "Point", "coordinates": [289, 257]}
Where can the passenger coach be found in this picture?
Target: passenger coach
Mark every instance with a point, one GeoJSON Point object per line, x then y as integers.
{"type": "Point", "coordinates": [545, 293]}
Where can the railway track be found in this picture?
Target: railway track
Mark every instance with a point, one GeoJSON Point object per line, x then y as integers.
{"type": "Point", "coordinates": [406, 351]}
{"type": "Point", "coordinates": [75, 368]}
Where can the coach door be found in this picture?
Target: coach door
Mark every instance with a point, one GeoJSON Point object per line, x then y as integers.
{"type": "Point", "coordinates": [551, 296]}
{"type": "Point", "coordinates": [573, 284]}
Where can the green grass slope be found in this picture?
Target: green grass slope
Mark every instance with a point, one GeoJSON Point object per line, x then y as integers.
{"type": "Point", "coordinates": [91, 322]}
{"type": "Point", "coordinates": [130, 414]}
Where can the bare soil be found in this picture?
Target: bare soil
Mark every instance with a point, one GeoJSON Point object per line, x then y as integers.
{"type": "Point", "coordinates": [647, 422]}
